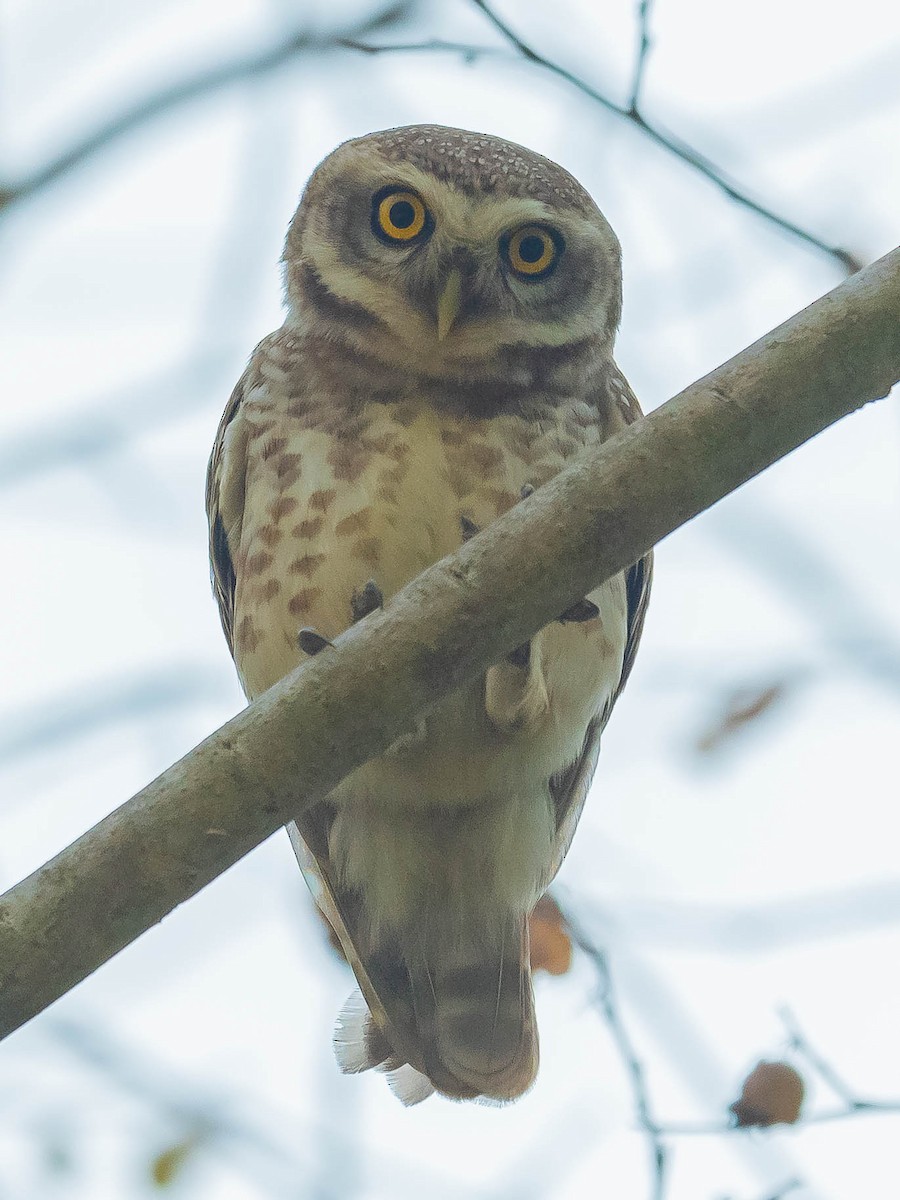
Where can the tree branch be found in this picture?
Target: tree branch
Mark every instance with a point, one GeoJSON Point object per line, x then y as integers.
{"type": "Point", "coordinates": [293, 745]}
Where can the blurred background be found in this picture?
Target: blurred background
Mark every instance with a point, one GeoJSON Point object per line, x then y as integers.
{"type": "Point", "coordinates": [734, 885]}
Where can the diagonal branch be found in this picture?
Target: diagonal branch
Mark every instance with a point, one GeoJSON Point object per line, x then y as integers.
{"type": "Point", "coordinates": [469, 610]}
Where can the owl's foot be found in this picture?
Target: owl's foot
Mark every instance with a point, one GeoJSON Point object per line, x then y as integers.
{"type": "Point", "coordinates": [469, 528]}
{"type": "Point", "coordinates": [367, 600]}
{"type": "Point", "coordinates": [584, 610]}
{"type": "Point", "coordinates": [312, 643]}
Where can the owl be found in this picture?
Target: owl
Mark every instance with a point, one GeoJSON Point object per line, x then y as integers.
{"type": "Point", "coordinates": [452, 302]}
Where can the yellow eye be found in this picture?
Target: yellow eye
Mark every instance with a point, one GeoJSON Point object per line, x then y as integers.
{"type": "Point", "coordinates": [533, 250]}
{"type": "Point", "coordinates": [399, 216]}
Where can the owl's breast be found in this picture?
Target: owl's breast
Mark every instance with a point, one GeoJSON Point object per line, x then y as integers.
{"type": "Point", "coordinates": [328, 509]}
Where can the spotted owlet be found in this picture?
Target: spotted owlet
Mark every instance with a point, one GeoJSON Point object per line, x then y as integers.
{"type": "Point", "coordinates": [452, 301]}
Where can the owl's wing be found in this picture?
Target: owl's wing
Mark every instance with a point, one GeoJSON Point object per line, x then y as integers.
{"type": "Point", "coordinates": [376, 966]}
{"type": "Point", "coordinates": [570, 787]}
{"type": "Point", "coordinates": [386, 1032]}
{"type": "Point", "coordinates": [225, 491]}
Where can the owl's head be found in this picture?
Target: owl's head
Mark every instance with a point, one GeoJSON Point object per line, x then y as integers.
{"type": "Point", "coordinates": [436, 248]}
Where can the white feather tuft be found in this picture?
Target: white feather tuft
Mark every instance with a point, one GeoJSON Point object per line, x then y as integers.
{"type": "Point", "coordinates": [358, 1043]}
{"type": "Point", "coordinates": [409, 1085]}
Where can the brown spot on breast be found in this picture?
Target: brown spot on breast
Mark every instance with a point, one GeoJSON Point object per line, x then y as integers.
{"type": "Point", "coordinates": [289, 465]}
{"type": "Point", "coordinates": [403, 414]}
{"type": "Point", "coordinates": [500, 498]}
{"type": "Point", "coordinates": [322, 499]}
{"type": "Point", "coordinates": [383, 443]}
{"type": "Point", "coordinates": [341, 423]}
{"type": "Point", "coordinates": [521, 442]}
{"type": "Point", "coordinates": [486, 458]}
{"type": "Point", "coordinates": [460, 480]}
{"type": "Point", "coordinates": [368, 549]}
{"type": "Point", "coordinates": [395, 476]}
{"type": "Point", "coordinates": [281, 507]}
{"type": "Point", "coordinates": [303, 600]}
{"type": "Point", "coordinates": [452, 437]}
{"type": "Point", "coordinates": [270, 589]}
{"type": "Point", "coordinates": [273, 446]}
{"type": "Point", "coordinates": [300, 408]}
{"type": "Point", "coordinates": [355, 523]}
{"type": "Point", "coordinates": [400, 452]}
{"type": "Point", "coordinates": [269, 535]}
{"type": "Point", "coordinates": [256, 563]}
{"type": "Point", "coordinates": [388, 494]}
{"type": "Point", "coordinates": [247, 636]}
{"type": "Point", "coordinates": [308, 528]}
{"type": "Point", "coordinates": [307, 565]}
{"type": "Point", "coordinates": [347, 461]}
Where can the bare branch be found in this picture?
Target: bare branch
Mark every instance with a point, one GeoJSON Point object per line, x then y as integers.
{"type": "Point", "coordinates": [681, 150]}
{"type": "Point", "coordinates": [469, 610]}
{"type": "Point", "coordinates": [640, 1091]}
{"type": "Point", "coordinates": [829, 1073]}
{"type": "Point", "coordinates": [643, 50]}
{"type": "Point", "coordinates": [300, 42]}
{"type": "Point", "coordinates": [852, 1105]}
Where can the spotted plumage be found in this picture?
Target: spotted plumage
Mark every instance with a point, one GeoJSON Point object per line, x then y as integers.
{"type": "Point", "coordinates": [452, 301]}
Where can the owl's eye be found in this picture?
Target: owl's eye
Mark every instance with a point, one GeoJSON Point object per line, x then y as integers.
{"type": "Point", "coordinates": [399, 216]}
{"type": "Point", "coordinates": [533, 251]}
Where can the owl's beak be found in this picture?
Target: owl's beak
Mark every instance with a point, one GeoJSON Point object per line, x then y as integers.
{"type": "Point", "coordinates": [449, 302]}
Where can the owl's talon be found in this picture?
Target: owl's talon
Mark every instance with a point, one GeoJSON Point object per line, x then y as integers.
{"type": "Point", "coordinates": [367, 600]}
{"type": "Point", "coordinates": [469, 528]}
{"type": "Point", "coordinates": [526, 491]}
{"type": "Point", "coordinates": [521, 656]}
{"type": "Point", "coordinates": [310, 642]}
{"type": "Point", "coordinates": [584, 610]}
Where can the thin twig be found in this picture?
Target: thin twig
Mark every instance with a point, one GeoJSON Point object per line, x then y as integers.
{"type": "Point", "coordinates": [786, 1189]}
{"type": "Point", "coordinates": [299, 42]}
{"type": "Point", "coordinates": [681, 150]}
{"type": "Point", "coordinates": [606, 1000]}
{"type": "Point", "coordinates": [801, 1044]}
{"type": "Point", "coordinates": [853, 1105]}
{"type": "Point", "coordinates": [202, 83]}
{"type": "Point", "coordinates": [858, 1108]}
{"type": "Point", "coordinates": [640, 61]}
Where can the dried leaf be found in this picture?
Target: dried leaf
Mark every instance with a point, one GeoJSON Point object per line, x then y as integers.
{"type": "Point", "coordinates": [743, 707]}
{"type": "Point", "coordinates": [551, 946]}
{"type": "Point", "coordinates": [167, 1165]}
{"type": "Point", "coordinates": [772, 1095]}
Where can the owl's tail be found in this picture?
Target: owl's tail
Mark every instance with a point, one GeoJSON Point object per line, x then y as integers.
{"type": "Point", "coordinates": [484, 1033]}
{"type": "Point", "coordinates": [472, 1030]}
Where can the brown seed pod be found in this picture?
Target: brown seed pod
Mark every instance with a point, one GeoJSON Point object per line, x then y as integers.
{"type": "Point", "coordinates": [551, 946]}
{"type": "Point", "coordinates": [772, 1095]}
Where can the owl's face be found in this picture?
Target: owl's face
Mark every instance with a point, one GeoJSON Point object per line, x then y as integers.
{"type": "Point", "coordinates": [440, 247]}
